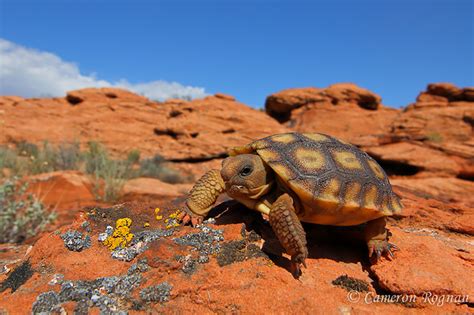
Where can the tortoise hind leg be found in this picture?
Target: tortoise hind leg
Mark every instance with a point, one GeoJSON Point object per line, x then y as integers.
{"type": "Point", "coordinates": [376, 236]}
{"type": "Point", "coordinates": [289, 231]}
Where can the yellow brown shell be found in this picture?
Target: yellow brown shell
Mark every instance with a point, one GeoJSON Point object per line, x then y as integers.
{"type": "Point", "coordinates": [336, 183]}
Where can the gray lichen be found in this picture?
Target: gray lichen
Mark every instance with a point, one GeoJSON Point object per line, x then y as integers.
{"type": "Point", "coordinates": [189, 264]}
{"type": "Point", "coordinates": [110, 294]}
{"type": "Point", "coordinates": [158, 293]}
{"type": "Point", "coordinates": [206, 241]}
{"type": "Point", "coordinates": [75, 241]}
{"type": "Point", "coordinates": [46, 303]}
{"type": "Point", "coordinates": [139, 244]}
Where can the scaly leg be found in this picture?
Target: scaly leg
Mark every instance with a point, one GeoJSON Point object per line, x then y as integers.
{"type": "Point", "coordinates": [289, 231]}
{"type": "Point", "coordinates": [376, 236]}
{"type": "Point", "coordinates": [202, 197]}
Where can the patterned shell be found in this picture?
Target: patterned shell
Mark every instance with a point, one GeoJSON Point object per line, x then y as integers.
{"type": "Point", "coordinates": [336, 183]}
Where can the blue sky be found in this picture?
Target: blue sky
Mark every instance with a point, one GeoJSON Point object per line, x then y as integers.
{"type": "Point", "coordinates": [248, 49]}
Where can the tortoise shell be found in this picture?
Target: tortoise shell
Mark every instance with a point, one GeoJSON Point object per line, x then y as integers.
{"type": "Point", "coordinates": [336, 183]}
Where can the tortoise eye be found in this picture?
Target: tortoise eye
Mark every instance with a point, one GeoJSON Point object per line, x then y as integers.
{"type": "Point", "coordinates": [246, 171]}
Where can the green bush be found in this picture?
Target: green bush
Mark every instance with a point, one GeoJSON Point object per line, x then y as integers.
{"type": "Point", "coordinates": [8, 159]}
{"type": "Point", "coordinates": [42, 161]}
{"type": "Point", "coordinates": [134, 156]}
{"type": "Point", "coordinates": [112, 172]}
{"type": "Point", "coordinates": [68, 156]}
{"type": "Point", "coordinates": [29, 159]}
{"type": "Point", "coordinates": [27, 149]}
{"type": "Point", "coordinates": [109, 174]}
{"type": "Point", "coordinates": [156, 168]}
{"type": "Point", "coordinates": [21, 214]}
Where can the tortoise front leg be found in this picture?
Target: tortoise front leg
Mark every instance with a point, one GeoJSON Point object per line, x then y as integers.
{"type": "Point", "coordinates": [203, 196]}
{"type": "Point", "coordinates": [289, 231]}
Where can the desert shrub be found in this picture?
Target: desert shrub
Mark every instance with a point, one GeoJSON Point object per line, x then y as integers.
{"type": "Point", "coordinates": [133, 156]}
{"type": "Point", "coordinates": [29, 159]}
{"type": "Point", "coordinates": [109, 174]}
{"type": "Point", "coordinates": [8, 159]}
{"type": "Point", "coordinates": [95, 157]}
{"type": "Point", "coordinates": [112, 173]}
{"type": "Point", "coordinates": [68, 156]}
{"type": "Point", "coordinates": [21, 214]}
{"type": "Point", "coordinates": [11, 160]}
{"type": "Point", "coordinates": [156, 168]}
{"type": "Point", "coordinates": [25, 148]}
{"type": "Point", "coordinates": [43, 161]}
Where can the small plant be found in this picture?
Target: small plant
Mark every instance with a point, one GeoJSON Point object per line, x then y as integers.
{"type": "Point", "coordinates": [133, 156]}
{"type": "Point", "coordinates": [95, 158]}
{"type": "Point", "coordinates": [68, 156]}
{"type": "Point", "coordinates": [109, 174]}
{"type": "Point", "coordinates": [8, 159]}
{"type": "Point", "coordinates": [113, 173]}
{"type": "Point", "coordinates": [156, 168]}
{"type": "Point", "coordinates": [28, 158]}
{"type": "Point", "coordinates": [42, 161]}
{"type": "Point", "coordinates": [21, 214]}
{"type": "Point", "coordinates": [27, 149]}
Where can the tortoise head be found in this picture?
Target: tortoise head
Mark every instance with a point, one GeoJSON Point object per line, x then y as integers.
{"type": "Point", "coordinates": [246, 176]}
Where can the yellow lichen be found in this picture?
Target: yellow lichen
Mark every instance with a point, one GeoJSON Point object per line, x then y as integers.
{"type": "Point", "coordinates": [157, 210]}
{"type": "Point", "coordinates": [121, 235]}
{"type": "Point", "coordinates": [159, 217]}
{"type": "Point", "coordinates": [175, 214]}
{"type": "Point", "coordinates": [172, 224]}
{"type": "Point", "coordinates": [173, 219]}
{"type": "Point", "coordinates": [146, 224]}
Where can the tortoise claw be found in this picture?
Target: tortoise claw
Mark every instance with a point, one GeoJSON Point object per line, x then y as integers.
{"type": "Point", "coordinates": [381, 248]}
{"type": "Point", "coordinates": [378, 253]}
{"type": "Point", "coordinates": [187, 216]}
{"type": "Point", "coordinates": [295, 268]}
{"type": "Point", "coordinates": [395, 247]}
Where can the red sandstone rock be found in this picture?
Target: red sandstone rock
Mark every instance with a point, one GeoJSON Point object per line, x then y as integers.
{"type": "Point", "coordinates": [447, 90]}
{"type": "Point", "coordinates": [429, 144]}
{"type": "Point", "coordinates": [152, 189]}
{"type": "Point", "coordinates": [64, 191]}
{"type": "Point", "coordinates": [197, 130]}
{"type": "Point", "coordinates": [451, 190]}
{"type": "Point", "coordinates": [435, 266]}
{"type": "Point", "coordinates": [441, 123]}
{"type": "Point", "coordinates": [280, 105]}
{"type": "Point", "coordinates": [429, 260]}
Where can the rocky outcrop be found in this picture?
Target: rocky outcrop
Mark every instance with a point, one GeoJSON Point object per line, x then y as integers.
{"type": "Point", "coordinates": [427, 149]}
{"type": "Point", "coordinates": [449, 190]}
{"type": "Point", "coordinates": [185, 269]}
{"type": "Point", "coordinates": [343, 110]}
{"type": "Point", "coordinates": [152, 189]}
{"type": "Point", "coordinates": [438, 125]}
{"type": "Point", "coordinates": [178, 130]}
{"type": "Point", "coordinates": [434, 134]}
{"type": "Point", "coordinates": [280, 105]}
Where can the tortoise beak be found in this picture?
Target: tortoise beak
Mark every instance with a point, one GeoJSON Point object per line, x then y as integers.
{"type": "Point", "coordinates": [236, 189]}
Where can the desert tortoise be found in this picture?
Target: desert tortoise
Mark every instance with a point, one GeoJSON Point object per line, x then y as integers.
{"type": "Point", "coordinates": [307, 177]}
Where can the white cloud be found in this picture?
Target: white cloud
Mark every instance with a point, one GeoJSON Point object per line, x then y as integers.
{"type": "Point", "coordinates": [31, 73]}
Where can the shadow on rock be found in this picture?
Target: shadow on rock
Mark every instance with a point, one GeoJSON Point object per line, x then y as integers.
{"type": "Point", "coordinates": [341, 244]}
